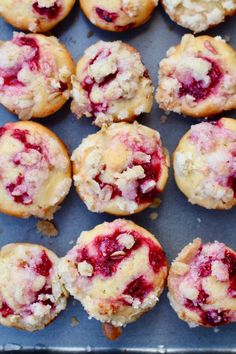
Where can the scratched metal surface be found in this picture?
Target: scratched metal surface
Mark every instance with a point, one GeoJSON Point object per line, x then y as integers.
{"type": "Point", "coordinates": [160, 330]}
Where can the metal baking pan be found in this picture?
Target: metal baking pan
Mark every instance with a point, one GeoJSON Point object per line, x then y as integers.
{"type": "Point", "coordinates": [178, 222]}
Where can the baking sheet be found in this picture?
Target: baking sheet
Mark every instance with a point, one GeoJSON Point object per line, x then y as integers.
{"type": "Point", "coordinates": [178, 222]}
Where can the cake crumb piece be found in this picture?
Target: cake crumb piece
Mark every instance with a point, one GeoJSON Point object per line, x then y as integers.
{"type": "Point", "coordinates": [47, 228]}
{"type": "Point", "coordinates": [74, 321]}
{"type": "Point", "coordinates": [156, 203]}
{"type": "Point", "coordinates": [199, 220]}
{"type": "Point", "coordinates": [216, 330]}
{"type": "Point", "coordinates": [163, 119]}
{"type": "Point", "coordinates": [153, 216]}
{"type": "Point", "coordinates": [71, 242]}
{"type": "Point", "coordinates": [90, 34]}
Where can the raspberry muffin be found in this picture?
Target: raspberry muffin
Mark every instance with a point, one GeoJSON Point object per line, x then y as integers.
{"type": "Point", "coordinates": [118, 15]}
{"type": "Point", "coordinates": [198, 15]}
{"type": "Point", "coordinates": [201, 282]}
{"type": "Point", "coordinates": [205, 164]}
{"type": "Point", "coordinates": [198, 77]}
{"type": "Point", "coordinates": [35, 171]}
{"type": "Point", "coordinates": [117, 271]}
{"type": "Point", "coordinates": [35, 73]}
{"type": "Point", "coordinates": [31, 293]}
{"type": "Point", "coordinates": [35, 15]}
{"type": "Point", "coordinates": [111, 84]}
{"type": "Point", "coordinates": [120, 169]}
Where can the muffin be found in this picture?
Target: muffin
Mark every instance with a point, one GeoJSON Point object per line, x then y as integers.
{"type": "Point", "coordinates": [35, 75]}
{"type": "Point", "coordinates": [205, 164]}
{"type": "Point", "coordinates": [118, 15]}
{"type": "Point", "coordinates": [201, 284]}
{"type": "Point", "coordinates": [31, 293]}
{"type": "Point", "coordinates": [111, 84]}
{"type": "Point", "coordinates": [199, 15]}
{"type": "Point", "coordinates": [33, 15]}
{"type": "Point", "coordinates": [198, 76]}
{"type": "Point", "coordinates": [120, 169]}
{"type": "Point", "coordinates": [35, 170]}
{"type": "Point", "coordinates": [116, 270]}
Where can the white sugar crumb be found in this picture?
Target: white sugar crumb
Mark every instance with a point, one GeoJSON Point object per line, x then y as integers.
{"type": "Point", "coordinates": [216, 330]}
{"type": "Point", "coordinates": [126, 240]}
{"type": "Point", "coordinates": [71, 242]}
{"type": "Point", "coordinates": [47, 228]}
{"type": "Point", "coordinates": [153, 216]}
{"type": "Point", "coordinates": [74, 321]}
{"type": "Point", "coordinates": [164, 119]}
{"type": "Point", "coordinates": [85, 269]}
{"type": "Point", "coordinates": [156, 203]}
{"type": "Point", "coordinates": [199, 220]}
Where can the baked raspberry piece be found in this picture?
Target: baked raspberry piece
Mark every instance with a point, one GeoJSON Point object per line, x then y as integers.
{"type": "Point", "coordinates": [205, 164]}
{"type": "Point", "coordinates": [117, 271]}
{"type": "Point", "coordinates": [35, 73]}
{"type": "Point", "coordinates": [201, 284]}
{"type": "Point", "coordinates": [35, 15]}
{"type": "Point", "coordinates": [197, 77]}
{"type": "Point", "coordinates": [199, 15]}
{"type": "Point", "coordinates": [120, 169]}
{"type": "Point", "coordinates": [35, 171]}
{"type": "Point", "coordinates": [118, 15]}
{"type": "Point", "coordinates": [111, 84]}
{"type": "Point", "coordinates": [31, 293]}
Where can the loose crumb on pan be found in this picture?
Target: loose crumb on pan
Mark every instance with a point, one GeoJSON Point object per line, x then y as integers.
{"type": "Point", "coordinates": [74, 321]}
{"type": "Point", "coordinates": [110, 331]}
{"type": "Point", "coordinates": [90, 34]}
{"type": "Point", "coordinates": [164, 119]}
{"type": "Point", "coordinates": [199, 220]}
{"type": "Point", "coordinates": [47, 228]}
{"type": "Point", "coordinates": [156, 203]}
{"type": "Point", "coordinates": [153, 216]}
{"type": "Point", "coordinates": [71, 242]}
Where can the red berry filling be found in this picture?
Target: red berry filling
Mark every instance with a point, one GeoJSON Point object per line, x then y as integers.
{"type": "Point", "coordinates": [152, 172]}
{"type": "Point", "coordinates": [63, 86]}
{"type": "Point", "coordinates": [138, 288]}
{"type": "Point", "coordinates": [197, 89]}
{"type": "Point", "coordinates": [51, 12]}
{"type": "Point", "coordinates": [21, 135]}
{"type": "Point", "coordinates": [215, 318]}
{"type": "Point", "coordinates": [10, 76]}
{"type": "Point", "coordinates": [106, 15]}
{"type": "Point", "coordinates": [2, 131]}
{"type": "Point", "coordinates": [44, 266]}
{"type": "Point", "coordinates": [6, 310]}
{"type": "Point", "coordinates": [46, 290]}
{"type": "Point", "coordinates": [231, 183]}
{"type": "Point", "coordinates": [33, 62]}
{"type": "Point", "coordinates": [20, 197]}
{"type": "Point", "coordinates": [125, 27]}
{"type": "Point", "coordinates": [107, 260]}
{"type": "Point", "coordinates": [196, 304]}
{"type": "Point", "coordinates": [230, 261]}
